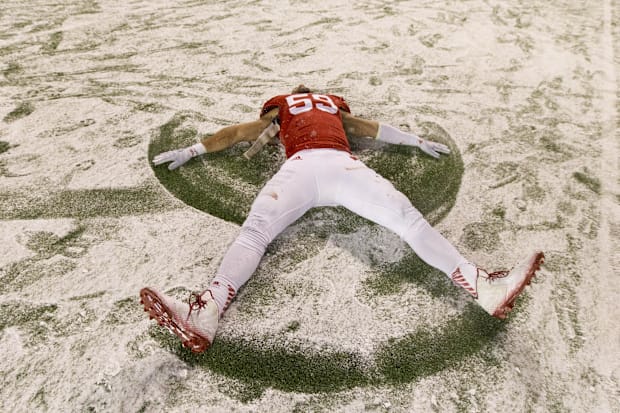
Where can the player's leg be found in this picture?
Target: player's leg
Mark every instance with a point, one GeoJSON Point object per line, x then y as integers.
{"type": "Point", "coordinates": [285, 198]}
{"type": "Point", "coordinates": [373, 197]}
{"type": "Point", "coordinates": [368, 194]}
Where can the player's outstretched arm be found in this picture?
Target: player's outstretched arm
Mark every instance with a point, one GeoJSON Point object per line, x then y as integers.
{"type": "Point", "coordinates": [222, 139]}
{"type": "Point", "coordinates": [372, 129]}
{"type": "Point", "coordinates": [358, 127]}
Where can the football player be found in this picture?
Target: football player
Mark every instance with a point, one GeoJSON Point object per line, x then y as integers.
{"type": "Point", "coordinates": [321, 171]}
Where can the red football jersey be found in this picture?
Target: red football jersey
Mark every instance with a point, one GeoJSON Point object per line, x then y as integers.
{"type": "Point", "coordinates": [310, 121]}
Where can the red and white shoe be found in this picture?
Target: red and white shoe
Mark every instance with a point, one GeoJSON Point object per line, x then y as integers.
{"type": "Point", "coordinates": [195, 323]}
{"type": "Point", "coordinates": [496, 292]}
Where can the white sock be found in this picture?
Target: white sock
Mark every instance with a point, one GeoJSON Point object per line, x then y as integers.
{"type": "Point", "coordinates": [469, 272]}
{"type": "Point", "coordinates": [466, 276]}
{"type": "Point", "coordinates": [223, 292]}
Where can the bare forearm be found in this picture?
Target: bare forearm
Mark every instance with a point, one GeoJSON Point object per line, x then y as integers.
{"type": "Point", "coordinates": [243, 132]}
{"type": "Point", "coordinates": [231, 135]}
{"type": "Point", "coordinates": [359, 127]}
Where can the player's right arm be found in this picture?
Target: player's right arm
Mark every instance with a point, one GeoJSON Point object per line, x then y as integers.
{"type": "Point", "coordinates": [222, 139]}
{"type": "Point", "coordinates": [369, 128]}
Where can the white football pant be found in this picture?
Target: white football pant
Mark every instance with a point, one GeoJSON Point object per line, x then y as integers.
{"type": "Point", "coordinates": [328, 177]}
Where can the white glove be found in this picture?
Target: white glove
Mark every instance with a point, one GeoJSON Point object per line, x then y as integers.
{"type": "Point", "coordinates": [434, 149]}
{"type": "Point", "coordinates": [179, 156]}
{"type": "Point", "coordinates": [390, 134]}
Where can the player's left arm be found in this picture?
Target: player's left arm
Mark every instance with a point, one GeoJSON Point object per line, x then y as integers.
{"type": "Point", "coordinates": [359, 127]}
{"type": "Point", "coordinates": [369, 128]}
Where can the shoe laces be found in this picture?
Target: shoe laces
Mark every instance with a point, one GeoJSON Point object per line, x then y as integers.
{"type": "Point", "coordinates": [198, 303]}
{"type": "Point", "coordinates": [491, 276]}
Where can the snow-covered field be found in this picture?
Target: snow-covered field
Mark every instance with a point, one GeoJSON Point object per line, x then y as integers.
{"type": "Point", "coordinates": [340, 316]}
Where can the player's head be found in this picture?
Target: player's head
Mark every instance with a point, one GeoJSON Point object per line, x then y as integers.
{"type": "Point", "coordinates": [302, 89]}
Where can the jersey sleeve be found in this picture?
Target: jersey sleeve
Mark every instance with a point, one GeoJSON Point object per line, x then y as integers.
{"type": "Point", "coordinates": [274, 102]}
{"type": "Point", "coordinates": [341, 103]}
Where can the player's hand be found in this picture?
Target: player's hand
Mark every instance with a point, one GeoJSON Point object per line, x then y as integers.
{"type": "Point", "coordinates": [395, 136]}
{"type": "Point", "coordinates": [434, 149]}
{"type": "Point", "coordinates": [179, 157]}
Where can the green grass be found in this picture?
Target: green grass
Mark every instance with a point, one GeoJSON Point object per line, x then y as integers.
{"type": "Point", "coordinates": [12, 69]}
{"type": "Point", "coordinates": [54, 256]}
{"type": "Point", "coordinates": [4, 146]}
{"type": "Point", "coordinates": [89, 296]}
{"type": "Point", "coordinates": [47, 244]}
{"type": "Point", "coordinates": [39, 399]}
{"type": "Point", "coordinates": [482, 235]}
{"type": "Point", "coordinates": [389, 279]}
{"type": "Point", "coordinates": [16, 313]}
{"type": "Point", "coordinates": [31, 203]}
{"type": "Point", "coordinates": [426, 352]}
{"type": "Point", "coordinates": [151, 107]}
{"type": "Point", "coordinates": [52, 43]}
{"type": "Point", "coordinates": [125, 311]}
{"type": "Point", "coordinates": [126, 141]}
{"type": "Point", "coordinates": [20, 275]}
{"type": "Point", "coordinates": [532, 190]}
{"type": "Point", "coordinates": [89, 7]}
{"type": "Point", "coordinates": [30, 318]}
{"type": "Point", "coordinates": [259, 363]}
{"type": "Point", "coordinates": [286, 367]}
{"type": "Point", "coordinates": [591, 182]}
{"type": "Point", "coordinates": [499, 212]}
{"type": "Point", "coordinates": [21, 111]}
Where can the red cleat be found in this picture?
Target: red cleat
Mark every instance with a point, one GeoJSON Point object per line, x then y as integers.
{"type": "Point", "coordinates": [194, 323]}
{"type": "Point", "coordinates": [497, 292]}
